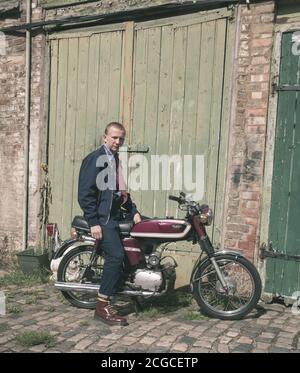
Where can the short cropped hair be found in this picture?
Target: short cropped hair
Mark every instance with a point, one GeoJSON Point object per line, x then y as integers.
{"type": "Point", "coordinates": [117, 125]}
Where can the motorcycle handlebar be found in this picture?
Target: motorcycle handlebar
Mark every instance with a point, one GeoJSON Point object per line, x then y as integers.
{"type": "Point", "coordinates": [177, 199]}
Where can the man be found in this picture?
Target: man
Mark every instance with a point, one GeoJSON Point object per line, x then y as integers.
{"type": "Point", "coordinates": [101, 196]}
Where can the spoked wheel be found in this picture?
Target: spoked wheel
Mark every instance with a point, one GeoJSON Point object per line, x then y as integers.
{"type": "Point", "coordinates": [74, 268]}
{"type": "Point", "coordinates": [241, 294]}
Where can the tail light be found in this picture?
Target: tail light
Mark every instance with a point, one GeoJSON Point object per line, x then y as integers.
{"type": "Point", "coordinates": [51, 228]}
{"type": "Point", "coordinates": [73, 233]}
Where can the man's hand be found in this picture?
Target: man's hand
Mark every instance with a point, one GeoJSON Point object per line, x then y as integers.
{"type": "Point", "coordinates": [137, 218]}
{"type": "Point", "coordinates": [96, 232]}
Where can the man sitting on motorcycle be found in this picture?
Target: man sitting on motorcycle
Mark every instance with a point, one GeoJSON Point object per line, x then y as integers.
{"type": "Point", "coordinates": [101, 201]}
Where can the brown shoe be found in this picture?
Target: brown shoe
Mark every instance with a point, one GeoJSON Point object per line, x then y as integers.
{"type": "Point", "coordinates": [105, 312]}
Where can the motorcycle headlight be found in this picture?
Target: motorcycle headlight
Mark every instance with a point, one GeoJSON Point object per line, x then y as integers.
{"type": "Point", "coordinates": [206, 216]}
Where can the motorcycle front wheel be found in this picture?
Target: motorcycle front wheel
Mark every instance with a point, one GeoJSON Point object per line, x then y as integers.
{"type": "Point", "coordinates": [74, 268]}
{"type": "Point", "coordinates": [242, 292]}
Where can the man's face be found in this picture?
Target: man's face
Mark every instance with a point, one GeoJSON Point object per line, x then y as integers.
{"type": "Point", "coordinates": [114, 139]}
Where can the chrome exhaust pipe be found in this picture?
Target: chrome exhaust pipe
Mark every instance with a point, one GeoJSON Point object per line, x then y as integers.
{"type": "Point", "coordinates": [72, 286]}
{"type": "Point", "coordinates": [93, 288]}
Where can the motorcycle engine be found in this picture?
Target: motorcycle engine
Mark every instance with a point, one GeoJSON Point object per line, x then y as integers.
{"type": "Point", "coordinates": [148, 280]}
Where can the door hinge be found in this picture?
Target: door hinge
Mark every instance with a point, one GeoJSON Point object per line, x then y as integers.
{"type": "Point", "coordinates": [269, 252]}
{"type": "Point", "coordinates": [232, 8]}
{"type": "Point", "coordinates": [284, 87]}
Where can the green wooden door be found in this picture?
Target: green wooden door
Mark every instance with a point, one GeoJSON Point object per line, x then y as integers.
{"type": "Point", "coordinates": [166, 80]}
{"type": "Point", "coordinates": [282, 272]}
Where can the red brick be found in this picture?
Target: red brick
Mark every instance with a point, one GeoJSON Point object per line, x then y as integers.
{"type": "Point", "coordinates": [256, 129]}
{"type": "Point", "coordinates": [238, 228]}
{"type": "Point", "coordinates": [256, 112]}
{"type": "Point", "coordinates": [262, 28]}
{"type": "Point", "coordinates": [257, 121]}
{"type": "Point", "coordinates": [253, 213]}
{"type": "Point", "coordinates": [247, 246]}
{"type": "Point", "coordinates": [230, 243]}
{"type": "Point", "coordinates": [260, 77]}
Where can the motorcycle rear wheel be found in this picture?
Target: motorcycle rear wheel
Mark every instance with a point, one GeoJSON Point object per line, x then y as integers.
{"type": "Point", "coordinates": [244, 287]}
{"type": "Point", "coordinates": [71, 269]}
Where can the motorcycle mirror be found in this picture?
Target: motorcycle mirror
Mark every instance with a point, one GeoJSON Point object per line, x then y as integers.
{"type": "Point", "coordinates": [189, 197]}
{"type": "Point", "coordinates": [182, 194]}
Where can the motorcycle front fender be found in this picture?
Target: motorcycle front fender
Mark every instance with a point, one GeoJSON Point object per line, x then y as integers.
{"type": "Point", "coordinates": [200, 261]}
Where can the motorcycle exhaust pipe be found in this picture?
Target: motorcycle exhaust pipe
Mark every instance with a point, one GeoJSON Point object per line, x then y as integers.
{"type": "Point", "coordinates": [69, 286]}
{"type": "Point", "coordinates": [93, 288]}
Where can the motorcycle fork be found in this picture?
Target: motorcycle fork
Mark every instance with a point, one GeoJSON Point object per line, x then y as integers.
{"type": "Point", "coordinates": [208, 248]}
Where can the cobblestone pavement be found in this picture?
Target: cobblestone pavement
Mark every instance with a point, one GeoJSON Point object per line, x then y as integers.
{"type": "Point", "coordinates": [270, 328]}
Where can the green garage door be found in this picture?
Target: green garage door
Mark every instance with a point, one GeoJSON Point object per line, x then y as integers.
{"type": "Point", "coordinates": [283, 262]}
{"type": "Point", "coordinates": [166, 80]}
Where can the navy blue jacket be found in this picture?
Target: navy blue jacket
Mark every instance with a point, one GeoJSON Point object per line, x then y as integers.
{"type": "Point", "coordinates": [96, 202]}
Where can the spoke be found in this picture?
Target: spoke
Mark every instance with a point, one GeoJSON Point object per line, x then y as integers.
{"type": "Point", "coordinates": [238, 282]}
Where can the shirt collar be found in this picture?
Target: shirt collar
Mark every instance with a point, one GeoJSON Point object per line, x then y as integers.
{"type": "Point", "coordinates": [107, 150]}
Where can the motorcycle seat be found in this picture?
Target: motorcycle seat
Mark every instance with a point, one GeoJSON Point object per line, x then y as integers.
{"type": "Point", "coordinates": [81, 224]}
{"type": "Point", "coordinates": [125, 227]}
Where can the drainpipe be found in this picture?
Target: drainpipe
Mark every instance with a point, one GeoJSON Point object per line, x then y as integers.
{"type": "Point", "coordinates": [27, 125]}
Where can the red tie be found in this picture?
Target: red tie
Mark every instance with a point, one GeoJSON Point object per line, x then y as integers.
{"type": "Point", "coordinates": [120, 182]}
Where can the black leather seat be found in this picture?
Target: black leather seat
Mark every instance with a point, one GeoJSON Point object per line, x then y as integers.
{"type": "Point", "coordinates": [125, 227]}
{"type": "Point", "coordinates": [81, 224]}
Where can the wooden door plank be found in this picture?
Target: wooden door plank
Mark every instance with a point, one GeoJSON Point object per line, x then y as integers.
{"type": "Point", "coordinates": [202, 139]}
{"type": "Point", "coordinates": [139, 107]}
{"type": "Point", "coordinates": [127, 79]}
{"type": "Point", "coordinates": [70, 126]}
{"type": "Point", "coordinates": [103, 83]}
{"type": "Point", "coordinates": [151, 110]}
{"type": "Point", "coordinates": [177, 113]}
{"type": "Point", "coordinates": [216, 113]}
{"type": "Point", "coordinates": [191, 103]}
{"type": "Point", "coordinates": [163, 119]}
{"type": "Point", "coordinates": [92, 140]}
{"type": "Point", "coordinates": [52, 115]}
{"type": "Point", "coordinates": [115, 77]}
{"type": "Point", "coordinates": [82, 94]}
{"type": "Point", "coordinates": [57, 183]}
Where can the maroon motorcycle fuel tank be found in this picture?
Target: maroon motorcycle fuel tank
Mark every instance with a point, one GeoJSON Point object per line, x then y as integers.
{"type": "Point", "coordinates": [161, 228]}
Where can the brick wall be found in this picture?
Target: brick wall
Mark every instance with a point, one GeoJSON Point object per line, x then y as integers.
{"type": "Point", "coordinates": [248, 129]}
{"type": "Point", "coordinates": [12, 120]}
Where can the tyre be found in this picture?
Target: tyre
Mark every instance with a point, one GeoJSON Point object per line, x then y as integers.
{"type": "Point", "coordinates": [71, 269]}
{"type": "Point", "coordinates": [243, 287]}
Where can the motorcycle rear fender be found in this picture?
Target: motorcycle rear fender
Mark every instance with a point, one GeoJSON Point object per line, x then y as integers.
{"type": "Point", "coordinates": [216, 254]}
{"type": "Point", "coordinates": [71, 244]}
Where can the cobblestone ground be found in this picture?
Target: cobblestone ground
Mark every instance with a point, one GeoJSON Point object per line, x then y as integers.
{"type": "Point", "coordinates": [269, 328]}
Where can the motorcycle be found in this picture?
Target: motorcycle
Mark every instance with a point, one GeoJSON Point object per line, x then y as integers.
{"type": "Point", "coordinates": [224, 283]}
